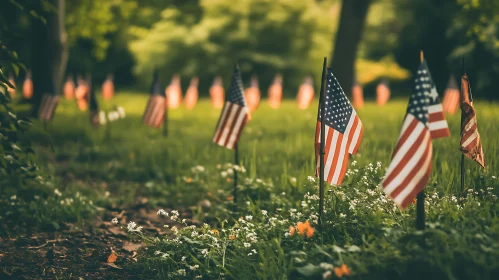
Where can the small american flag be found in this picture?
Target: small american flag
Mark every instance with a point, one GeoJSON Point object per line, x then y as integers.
{"type": "Point", "coordinates": [156, 106]}
{"type": "Point", "coordinates": [48, 106]}
{"type": "Point", "coordinates": [343, 132]}
{"type": "Point", "coordinates": [357, 95]}
{"type": "Point", "coordinates": [383, 92]}
{"type": "Point", "coordinates": [471, 146]}
{"type": "Point", "coordinates": [450, 103]}
{"type": "Point", "coordinates": [410, 167]}
{"type": "Point", "coordinates": [234, 115]}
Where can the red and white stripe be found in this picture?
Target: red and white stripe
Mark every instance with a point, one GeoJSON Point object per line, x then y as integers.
{"type": "Point", "coordinates": [337, 147]}
{"type": "Point", "coordinates": [230, 125]}
{"type": "Point", "coordinates": [410, 168]}
{"type": "Point", "coordinates": [450, 103]}
{"type": "Point", "coordinates": [437, 122]}
{"type": "Point", "coordinates": [155, 111]}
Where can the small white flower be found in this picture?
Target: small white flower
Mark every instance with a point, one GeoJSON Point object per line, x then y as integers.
{"type": "Point", "coordinates": [204, 252]}
{"type": "Point", "coordinates": [342, 215]}
{"type": "Point", "coordinates": [247, 244]}
{"type": "Point", "coordinates": [326, 275]}
{"type": "Point", "coordinates": [181, 272]}
{"type": "Point", "coordinates": [14, 197]}
{"type": "Point", "coordinates": [311, 179]}
{"type": "Point", "coordinates": [264, 212]}
{"type": "Point", "coordinates": [121, 112]}
{"type": "Point", "coordinates": [183, 258]}
{"type": "Point", "coordinates": [249, 217]}
{"type": "Point", "coordinates": [107, 194]}
{"type": "Point", "coordinates": [157, 253]}
{"type": "Point", "coordinates": [132, 227]}
{"type": "Point", "coordinates": [57, 192]}
{"type": "Point", "coordinates": [326, 266]}
{"type": "Point", "coordinates": [162, 212]}
{"type": "Point", "coordinates": [293, 180]}
{"type": "Point", "coordinates": [102, 117]}
{"type": "Point", "coordinates": [114, 221]}
{"type": "Point", "coordinates": [194, 267]}
{"type": "Point", "coordinates": [165, 255]}
{"type": "Point", "coordinates": [493, 177]}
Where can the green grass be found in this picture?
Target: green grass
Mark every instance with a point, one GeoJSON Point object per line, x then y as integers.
{"type": "Point", "coordinates": [131, 160]}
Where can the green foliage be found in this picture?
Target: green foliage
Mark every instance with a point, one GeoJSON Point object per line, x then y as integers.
{"type": "Point", "coordinates": [263, 36]}
{"type": "Point", "coordinates": [89, 24]}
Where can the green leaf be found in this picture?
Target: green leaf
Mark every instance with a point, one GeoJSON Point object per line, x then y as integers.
{"type": "Point", "coordinates": [308, 270]}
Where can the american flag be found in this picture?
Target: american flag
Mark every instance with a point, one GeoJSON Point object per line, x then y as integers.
{"type": "Point", "coordinates": [48, 105]}
{"type": "Point", "coordinates": [234, 115]}
{"type": "Point", "coordinates": [357, 95]}
{"type": "Point", "coordinates": [156, 106]}
{"type": "Point", "coordinates": [383, 92]}
{"type": "Point", "coordinates": [450, 103]}
{"type": "Point", "coordinates": [410, 167]}
{"type": "Point", "coordinates": [471, 146]}
{"type": "Point", "coordinates": [343, 132]}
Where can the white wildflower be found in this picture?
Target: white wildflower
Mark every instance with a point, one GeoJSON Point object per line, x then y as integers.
{"type": "Point", "coordinates": [114, 221]}
{"type": "Point", "coordinates": [162, 212]}
{"type": "Point", "coordinates": [249, 217]}
{"type": "Point", "coordinates": [14, 197]}
{"type": "Point", "coordinates": [57, 192]}
{"type": "Point", "coordinates": [204, 252]}
{"type": "Point", "coordinates": [264, 212]}
{"type": "Point", "coordinates": [132, 227]}
{"type": "Point", "coordinates": [157, 253]}
{"type": "Point", "coordinates": [181, 272]}
{"type": "Point", "coordinates": [311, 179]}
{"type": "Point", "coordinates": [326, 275]}
{"type": "Point", "coordinates": [247, 244]}
{"type": "Point", "coordinates": [193, 267]}
{"type": "Point", "coordinates": [183, 258]}
{"type": "Point", "coordinates": [326, 266]}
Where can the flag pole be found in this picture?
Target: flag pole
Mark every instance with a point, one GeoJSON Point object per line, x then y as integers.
{"type": "Point", "coordinates": [322, 139]}
{"type": "Point", "coordinates": [236, 162]}
{"type": "Point", "coordinates": [462, 120]}
{"type": "Point", "coordinates": [420, 214]}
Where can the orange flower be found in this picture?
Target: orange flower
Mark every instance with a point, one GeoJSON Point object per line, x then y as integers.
{"type": "Point", "coordinates": [292, 230]}
{"type": "Point", "coordinates": [228, 180]}
{"type": "Point", "coordinates": [214, 231]}
{"type": "Point", "coordinates": [414, 201]}
{"type": "Point", "coordinates": [338, 272]}
{"type": "Point", "coordinates": [310, 232]}
{"type": "Point", "coordinates": [188, 180]}
{"type": "Point", "coordinates": [230, 198]}
{"type": "Point", "coordinates": [302, 227]}
{"type": "Point", "coordinates": [345, 269]}
{"type": "Point", "coordinates": [232, 237]}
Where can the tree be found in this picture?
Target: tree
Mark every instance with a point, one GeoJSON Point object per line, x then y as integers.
{"type": "Point", "coordinates": [352, 21]}
{"type": "Point", "coordinates": [49, 53]}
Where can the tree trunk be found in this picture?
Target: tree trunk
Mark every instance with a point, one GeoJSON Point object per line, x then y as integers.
{"type": "Point", "coordinates": [49, 55]}
{"type": "Point", "coordinates": [352, 19]}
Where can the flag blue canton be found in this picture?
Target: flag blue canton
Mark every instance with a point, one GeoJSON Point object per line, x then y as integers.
{"type": "Point", "coordinates": [338, 108]}
{"type": "Point", "coordinates": [420, 99]}
{"type": "Point", "coordinates": [235, 94]}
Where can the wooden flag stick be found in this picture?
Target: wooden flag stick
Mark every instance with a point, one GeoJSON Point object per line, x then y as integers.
{"type": "Point", "coordinates": [420, 214]}
{"type": "Point", "coordinates": [323, 139]}
{"type": "Point", "coordinates": [236, 162]}
{"type": "Point", "coordinates": [462, 120]}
